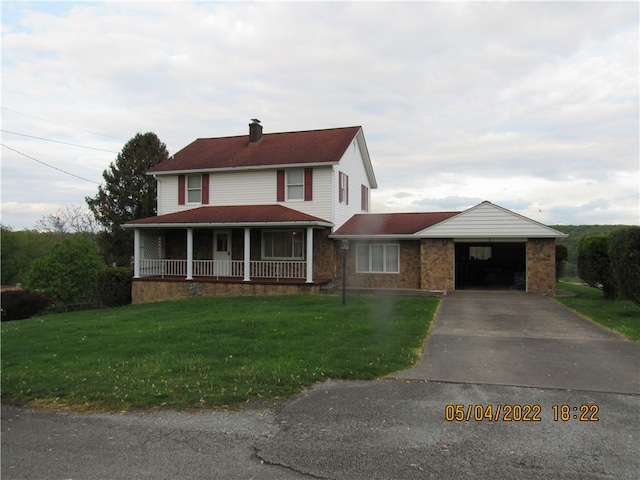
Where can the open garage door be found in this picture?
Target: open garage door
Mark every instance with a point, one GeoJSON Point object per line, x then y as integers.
{"type": "Point", "coordinates": [491, 265]}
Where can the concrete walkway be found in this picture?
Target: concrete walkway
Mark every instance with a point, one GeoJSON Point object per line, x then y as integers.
{"type": "Point", "coordinates": [519, 339]}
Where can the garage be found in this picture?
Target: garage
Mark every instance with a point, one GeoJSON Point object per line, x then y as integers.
{"type": "Point", "coordinates": [490, 265]}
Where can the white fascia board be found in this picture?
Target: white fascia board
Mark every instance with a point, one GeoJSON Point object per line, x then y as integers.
{"type": "Point", "coordinates": [368, 166]}
{"type": "Point", "coordinates": [238, 169]}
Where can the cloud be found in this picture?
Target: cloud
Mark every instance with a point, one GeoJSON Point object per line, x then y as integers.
{"type": "Point", "coordinates": [532, 104]}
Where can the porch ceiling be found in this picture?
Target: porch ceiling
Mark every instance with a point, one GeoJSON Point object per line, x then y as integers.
{"type": "Point", "coordinates": [237, 215]}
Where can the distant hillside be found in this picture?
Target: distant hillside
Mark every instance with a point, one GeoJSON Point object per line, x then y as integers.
{"type": "Point", "coordinates": [576, 232]}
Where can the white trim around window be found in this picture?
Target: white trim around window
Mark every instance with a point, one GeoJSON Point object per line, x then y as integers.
{"type": "Point", "coordinates": [378, 258]}
{"type": "Point", "coordinates": [194, 189]}
{"type": "Point", "coordinates": [295, 184]}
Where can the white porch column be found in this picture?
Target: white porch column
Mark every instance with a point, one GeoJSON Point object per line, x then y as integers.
{"type": "Point", "coordinates": [136, 253]}
{"type": "Point", "coordinates": [189, 253]}
{"type": "Point", "coordinates": [247, 254]}
{"type": "Point", "coordinates": [309, 254]}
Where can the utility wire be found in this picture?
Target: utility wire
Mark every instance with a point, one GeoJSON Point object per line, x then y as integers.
{"type": "Point", "coordinates": [57, 141]}
{"type": "Point", "coordinates": [58, 123]}
{"type": "Point", "coordinates": [50, 166]}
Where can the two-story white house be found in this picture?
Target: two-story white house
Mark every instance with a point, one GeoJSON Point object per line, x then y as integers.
{"type": "Point", "coordinates": [268, 214]}
{"type": "Point", "coordinates": [251, 214]}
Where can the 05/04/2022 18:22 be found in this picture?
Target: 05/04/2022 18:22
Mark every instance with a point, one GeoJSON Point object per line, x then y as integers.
{"type": "Point", "coordinates": [518, 413]}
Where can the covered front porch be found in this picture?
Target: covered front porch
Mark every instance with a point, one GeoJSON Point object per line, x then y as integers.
{"type": "Point", "coordinates": [161, 253]}
{"type": "Point", "coordinates": [266, 245]}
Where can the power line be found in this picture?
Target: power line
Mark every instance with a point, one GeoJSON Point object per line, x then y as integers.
{"type": "Point", "coordinates": [58, 123]}
{"type": "Point", "coordinates": [57, 141]}
{"type": "Point", "coordinates": [47, 165]}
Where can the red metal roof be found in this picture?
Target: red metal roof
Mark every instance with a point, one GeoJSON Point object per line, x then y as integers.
{"type": "Point", "coordinates": [307, 147]}
{"type": "Point", "coordinates": [240, 214]}
{"type": "Point", "coordinates": [391, 223]}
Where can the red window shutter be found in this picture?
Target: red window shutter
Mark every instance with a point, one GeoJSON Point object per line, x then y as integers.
{"type": "Point", "coordinates": [181, 189]}
{"type": "Point", "coordinates": [308, 184]}
{"type": "Point", "coordinates": [280, 186]}
{"type": "Point", "coordinates": [205, 189]}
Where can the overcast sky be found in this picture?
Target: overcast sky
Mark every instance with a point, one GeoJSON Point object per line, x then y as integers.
{"type": "Point", "coordinates": [532, 106]}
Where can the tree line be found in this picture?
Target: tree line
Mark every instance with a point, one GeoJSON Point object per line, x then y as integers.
{"type": "Point", "coordinates": [66, 259]}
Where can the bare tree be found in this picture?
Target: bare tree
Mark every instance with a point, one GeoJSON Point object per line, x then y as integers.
{"type": "Point", "coordinates": [74, 219]}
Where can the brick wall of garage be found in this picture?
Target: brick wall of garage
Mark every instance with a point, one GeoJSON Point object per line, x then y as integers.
{"type": "Point", "coordinates": [408, 278]}
{"type": "Point", "coordinates": [437, 264]}
{"type": "Point", "coordinates": [541, 266]}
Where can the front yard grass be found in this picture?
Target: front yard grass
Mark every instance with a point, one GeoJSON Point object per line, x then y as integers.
{"type": "Point", "coordinates": [208, 352]}
{"type": "Point", "coordinates": [622, 316]}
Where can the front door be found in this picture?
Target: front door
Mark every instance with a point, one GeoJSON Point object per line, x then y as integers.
{"type": "Point", "coordinates": [222, 253]}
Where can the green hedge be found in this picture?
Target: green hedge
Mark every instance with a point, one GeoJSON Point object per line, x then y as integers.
{"type": "Point", "coordinates": [114, 286]}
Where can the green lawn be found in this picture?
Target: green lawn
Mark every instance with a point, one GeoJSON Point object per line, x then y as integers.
{"type": "Point", "coordinates": [206, 352]}
{"type": "Point", "coordinates": [621, 316]}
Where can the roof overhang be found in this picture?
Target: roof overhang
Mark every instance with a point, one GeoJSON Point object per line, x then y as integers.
{"type": "Point", "coordinates": [244, 168]}
{"type": "Point", "coordinates": [274, 216]}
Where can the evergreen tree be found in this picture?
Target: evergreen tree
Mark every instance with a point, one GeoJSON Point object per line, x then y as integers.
{"type": "Point", "coordinates": [129, 193]}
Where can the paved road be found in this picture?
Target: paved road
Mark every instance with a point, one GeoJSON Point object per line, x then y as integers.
{"type": "Point", "coordinates": [387, 429]}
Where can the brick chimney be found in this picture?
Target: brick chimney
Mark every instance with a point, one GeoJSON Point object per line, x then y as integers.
{"type": "Point", "coordinates": [255, 132]}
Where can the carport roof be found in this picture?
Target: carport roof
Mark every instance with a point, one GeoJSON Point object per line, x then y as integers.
{"type": "Point", "coordinates": [391, 223]}
{"type": "Point", "coordinates": [484, 221]}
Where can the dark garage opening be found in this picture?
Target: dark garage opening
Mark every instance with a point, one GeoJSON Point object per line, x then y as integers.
{"type": "Point", "coordinates": [490, 265]}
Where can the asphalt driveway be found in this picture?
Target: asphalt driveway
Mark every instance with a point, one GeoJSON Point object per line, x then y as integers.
{"type": "Point", "coordinates": [513, 338]}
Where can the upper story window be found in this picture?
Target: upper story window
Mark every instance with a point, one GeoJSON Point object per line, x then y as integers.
{"type": "Point", "coordinates": [343, 188]}
{"type": "Point", "coordinates": [295, 184]}
{"type": "Point", "coordinates": [364, 198]}
{"type": "Point", "coordinates": [194, 188]}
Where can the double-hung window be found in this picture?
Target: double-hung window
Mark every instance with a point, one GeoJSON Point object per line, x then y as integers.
{"type": "Point", "coordinates": [378, 258]}
{"type": "Point", "coordinates": [194, 188]}
{"type": "Point", "coordinates": [343, 188]}
{"type": "Point", "coordinates": [295, 184]}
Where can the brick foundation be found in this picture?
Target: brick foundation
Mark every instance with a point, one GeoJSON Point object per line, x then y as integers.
{"type": "Point", "coordinates": [147, 290]}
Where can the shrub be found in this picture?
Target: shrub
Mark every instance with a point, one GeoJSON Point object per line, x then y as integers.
{"type": "Point", "coordinates": [114, 286]}
{"type": "Point", "coordinates": [594, 266]}
{"type": "Point", "coordinates": [562, 254]}
{"type": "Point", "coordinates": [624, 257]}
{"type": "Point", "coordinates": [68, 272]}
{"type": "Point", "coordinates": [21, 304]}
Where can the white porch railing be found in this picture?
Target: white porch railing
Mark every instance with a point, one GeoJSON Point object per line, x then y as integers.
{"type": "Point", "coordinates": [224, 268]}
{"type": "Point", "coordinates": [279, 269]}
{"type": "Point", "coordinates": [162, 268]}
{"type": "Point", "coordinates": [218, 268]}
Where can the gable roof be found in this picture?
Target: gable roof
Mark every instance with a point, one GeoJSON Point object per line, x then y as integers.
{"type": "Point", "coordinates": [254, 215]}
{"type": "Point", "coordinates": [391, 224]}
{"type": "Point", "coordinates": [274, 149]}
{"type": "Point", "coordinates": [484, 221]}
{"type": "Point", "coordinates": [487, 220]}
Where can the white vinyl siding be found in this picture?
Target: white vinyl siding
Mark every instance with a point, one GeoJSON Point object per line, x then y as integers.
{"type": "Point", "coordinates": [489, 221]}
{"type": "Point", "coordinates": [250, 187]}
{"type": "Point", "coordinates": [351, 165]}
